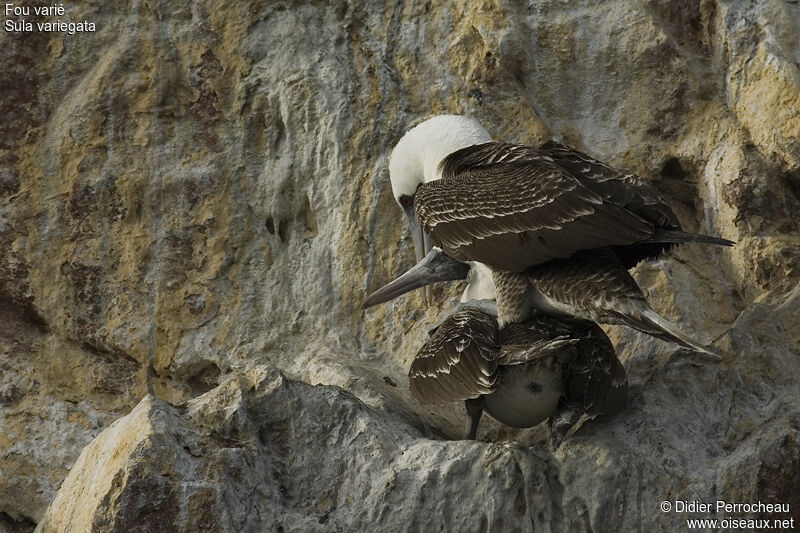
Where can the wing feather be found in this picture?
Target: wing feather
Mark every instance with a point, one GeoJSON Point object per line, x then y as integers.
{"type": "Point", "coordinates": [595, 379]}
{"type": "Point", "coordinates": [618, 186]}
{"type": "Point", "coordinates": [459, 361]}
{"type": "Point", "coordinates": [513, 206]}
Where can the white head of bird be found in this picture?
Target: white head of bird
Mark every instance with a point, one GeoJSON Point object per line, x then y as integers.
{"type": "Point", "coordinates": [416, 157]}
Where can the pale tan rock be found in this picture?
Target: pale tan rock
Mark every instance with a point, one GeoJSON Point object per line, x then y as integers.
{"type": "Point", "coordinates": [191, 190]}
{"type": "Point", "coordinates": [263, 453]}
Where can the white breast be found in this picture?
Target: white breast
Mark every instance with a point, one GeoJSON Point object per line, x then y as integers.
{"type": "Point", "coordinates": [526, 394]}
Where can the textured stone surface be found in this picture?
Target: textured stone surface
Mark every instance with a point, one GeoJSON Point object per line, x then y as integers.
{"type": "Point", "coordinates": [255, 455]}
{"type": "Point", "coordinates": [192, 190]}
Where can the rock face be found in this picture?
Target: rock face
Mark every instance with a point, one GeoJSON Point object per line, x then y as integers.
{"type": "Point", "coordinates": [190, 192]}
{"type": "Point", "coordinates": [256, 454]}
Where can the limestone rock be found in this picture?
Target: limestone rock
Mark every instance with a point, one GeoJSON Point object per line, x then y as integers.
{"type": "Point", "coordinates": [263, 453]}
{"type": "Point", "coordinates": [192, 190]}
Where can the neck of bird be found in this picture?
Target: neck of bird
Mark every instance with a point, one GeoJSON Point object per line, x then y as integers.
{"type": "Point", "coordinates": [513, 298]}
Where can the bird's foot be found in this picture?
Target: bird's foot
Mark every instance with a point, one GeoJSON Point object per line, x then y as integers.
{"type": "Point", "coordinates": [474, 412]}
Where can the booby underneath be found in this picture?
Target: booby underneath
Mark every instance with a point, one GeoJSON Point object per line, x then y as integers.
{"type": "Point", "coordinates": [544, 367]}
{"type": "Point", "coordinates": [558, 228]}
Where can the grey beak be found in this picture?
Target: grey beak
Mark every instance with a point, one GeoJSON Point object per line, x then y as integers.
{"type": "Point", "coordinates": [434, 267]}
{"type": "Point", "coordinates": [416, 235]}
{"type": "Point", "coordinates": [422, 245]}
{"type": "Point", "coordinates": [427, 245]}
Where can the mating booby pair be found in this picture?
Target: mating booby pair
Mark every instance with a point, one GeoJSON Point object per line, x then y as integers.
{"type": "Point", "coordinates": [540, 368]}
{"type": "Point", "coordinates": [558, 228]}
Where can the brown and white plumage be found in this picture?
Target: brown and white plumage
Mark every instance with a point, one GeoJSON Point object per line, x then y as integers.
{"type": "Point", "coordinates": [459, 361]}
{"type": "Point", "coordinates": [594, 378]}
{"type": "Point", "coordinates": [594, 284]}
{"type": "Point", "coordinates": [523, 373]}
{"type": "Point", "coordinates": [513, 206]}
{"type": "Point", "coordinates": [534, 211]}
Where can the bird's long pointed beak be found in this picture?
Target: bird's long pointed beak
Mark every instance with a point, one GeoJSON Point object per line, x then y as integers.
{"type": "Point", "coordinates": [434, 267]}
{"type": "Point", "coordinates": [417, 235]}
{"type": "Point", "coordinates": [420, 249]}
{"type": "Point", "coordinates": [427, 246]}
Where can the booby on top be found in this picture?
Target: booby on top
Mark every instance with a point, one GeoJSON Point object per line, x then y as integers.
{"type": "Point", "coordinates": [514, 206]}
{"type": "Point", "coordinates": [416, 157]}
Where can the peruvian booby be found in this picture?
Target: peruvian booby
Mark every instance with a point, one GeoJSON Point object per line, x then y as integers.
{"type": "Point", "coordinates": [541, 368]}
{"type": "Point", "coordinates": [558, 227]}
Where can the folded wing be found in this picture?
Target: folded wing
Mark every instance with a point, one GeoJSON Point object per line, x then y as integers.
{"type": "Point", "coordinates": [513, 206]}
{"type": "Point", "coordinates": [459, 361]}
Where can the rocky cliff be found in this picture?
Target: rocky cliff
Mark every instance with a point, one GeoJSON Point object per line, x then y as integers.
{"type": "Point", "coordinates": [194, 201]}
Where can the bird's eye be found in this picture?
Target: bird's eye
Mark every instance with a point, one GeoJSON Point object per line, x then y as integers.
{"type": "Point", "coordinates": [406, 200]}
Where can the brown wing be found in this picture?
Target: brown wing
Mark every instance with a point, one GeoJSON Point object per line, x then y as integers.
{"type": "Point", "coordinates": [592, 284]}
{"type": "Point", "coordinates": [623, 189]}
{"type": "Point", "coordinates": [512, 207]}
{"type": "Point", "coordinates": [595, 378]}
{"type": "Point", "coordinates": [535, 338]}
{"type": "Point", "coordinates": [459, 361]}
{"type": "Point", "coordinates": [617, 186]}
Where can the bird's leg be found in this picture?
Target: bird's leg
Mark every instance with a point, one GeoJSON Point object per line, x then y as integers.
{"type": "Point", "coordinates": [474, 411]}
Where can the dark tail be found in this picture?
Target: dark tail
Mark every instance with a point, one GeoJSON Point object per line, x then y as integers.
{"type": "Point", "coordinates": [677, 236]}
{"type": "Point", "coordinates": [646, 320]}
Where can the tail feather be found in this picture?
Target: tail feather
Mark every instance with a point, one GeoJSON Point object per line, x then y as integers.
{"type": "Point", "coordinates": [646, 320]}
{"type": "Point", "coordinates": [676, 236]}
